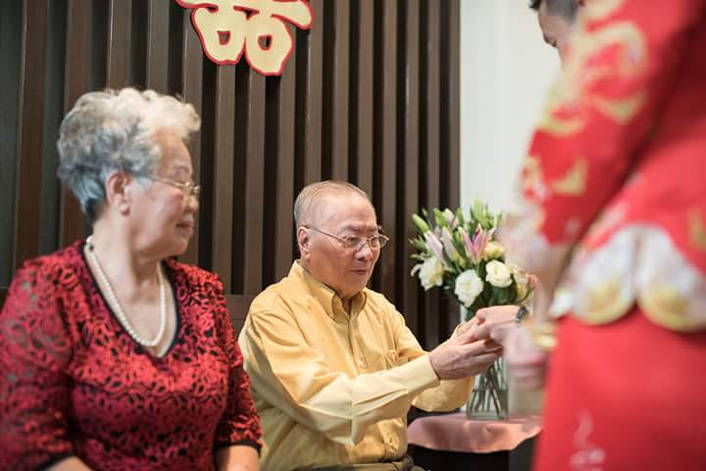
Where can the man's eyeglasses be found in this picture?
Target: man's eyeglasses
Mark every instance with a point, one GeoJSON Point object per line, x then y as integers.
{"type": "Point", "coordinates": [356, 243]}
{"type": "Point", "coordinates": [188, 188]}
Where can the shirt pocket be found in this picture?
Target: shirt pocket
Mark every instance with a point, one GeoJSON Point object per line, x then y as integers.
{"type": "Point", "coordinates": [392, 359]}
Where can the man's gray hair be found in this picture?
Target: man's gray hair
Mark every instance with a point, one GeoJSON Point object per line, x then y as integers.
{"type": "Point", "coordinates": [113, 130]}
{"type": "Point", "coordinates": [310, 194]}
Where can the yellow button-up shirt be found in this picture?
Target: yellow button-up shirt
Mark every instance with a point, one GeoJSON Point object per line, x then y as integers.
{"type": "Point", "coordinates": [334, 387]}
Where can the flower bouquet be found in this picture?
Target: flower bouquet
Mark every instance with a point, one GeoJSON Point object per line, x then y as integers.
{"type": "Point", "coordinates": [459, 253]}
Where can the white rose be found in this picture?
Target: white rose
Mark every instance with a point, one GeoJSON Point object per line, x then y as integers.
{"type": "Point", "coordinates": [431, 273]}
{"type": "Point", "coordinates": [498, 274]}
{"type": "Point", "coordinates": [493, 250]}
{"type": "Point", "coordinates": [468, 287]}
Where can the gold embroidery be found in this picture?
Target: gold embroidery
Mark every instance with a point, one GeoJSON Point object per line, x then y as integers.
{"type": "Point", "coordinates": [573, 183]}
{"type": "Point", "coordinates": [697, 229]}
{"type": "Point", "coordinates": [599, 9]}
{"type": "Point", "coordinates": [667, 307]}
{"type": "Point", "coordinates": [621, 110]}
{"type": "Point", "coordinates": [605, 302]}
{"type": "Point", "coordinates": [569, 99]}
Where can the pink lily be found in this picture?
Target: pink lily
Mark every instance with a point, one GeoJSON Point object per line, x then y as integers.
{"type": "Point", "coordinates": [479, 242]}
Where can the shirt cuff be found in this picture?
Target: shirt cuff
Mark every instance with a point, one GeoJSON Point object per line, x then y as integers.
{"type": "Point", "coordinates": [420, 374]}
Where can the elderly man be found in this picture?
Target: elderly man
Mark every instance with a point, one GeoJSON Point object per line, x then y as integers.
{"type": "Point", "coordinates": [556, 19]}
{"type": "Point", "coordinates": [334, 368]}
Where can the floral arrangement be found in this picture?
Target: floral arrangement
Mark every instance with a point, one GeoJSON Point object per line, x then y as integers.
{"type": "Point", "coordinates": [460, 254]}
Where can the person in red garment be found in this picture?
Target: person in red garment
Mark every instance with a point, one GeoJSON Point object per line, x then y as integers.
{"type": "Point", "coordinates": [614, 225]}
{"type": "Point", "coordinates": [114, 355]}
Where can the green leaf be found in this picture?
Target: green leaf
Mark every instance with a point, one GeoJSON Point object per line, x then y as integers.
{"type": "Point", "coordinates": [420, 224]}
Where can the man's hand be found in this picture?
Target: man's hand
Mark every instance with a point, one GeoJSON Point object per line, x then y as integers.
{"type": "Point", "coordinates": [496, 322]}
{"type": "Point", "coordinates": [463, 355]}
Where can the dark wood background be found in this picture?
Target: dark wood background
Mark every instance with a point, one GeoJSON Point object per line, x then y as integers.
{"type": "Point", "coordinates": [370, 95]}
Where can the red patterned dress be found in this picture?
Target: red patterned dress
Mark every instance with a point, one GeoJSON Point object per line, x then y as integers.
{"type": "Point", "coordinates": [614, 191]}
{"type": "Point", "coordinates": [73, 382]}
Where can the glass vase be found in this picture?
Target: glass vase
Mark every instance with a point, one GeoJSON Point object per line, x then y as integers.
{"type": "Point", "coordinates": [489, 398]}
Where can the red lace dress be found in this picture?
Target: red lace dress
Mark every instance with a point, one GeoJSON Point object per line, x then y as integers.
{"type": "Point", "coordinates": [73, 382]}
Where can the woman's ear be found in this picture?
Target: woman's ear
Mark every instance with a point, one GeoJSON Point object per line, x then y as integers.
{"type": "Point", "coordinates": [117, 194]}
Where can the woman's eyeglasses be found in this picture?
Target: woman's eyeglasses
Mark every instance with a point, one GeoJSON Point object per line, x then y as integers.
{"type": "Point", "coordinates": [188, 188]}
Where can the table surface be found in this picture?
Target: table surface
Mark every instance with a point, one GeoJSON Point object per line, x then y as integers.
{"type": "Point", "coordinates": [455, 432]}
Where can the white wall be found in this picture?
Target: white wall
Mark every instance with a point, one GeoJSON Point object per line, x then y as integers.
{"type": "Point", "coordinates": [506, 69]}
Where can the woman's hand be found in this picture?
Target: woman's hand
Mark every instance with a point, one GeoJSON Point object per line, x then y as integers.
{"type": "Point", "coordinates": [495, 322]}
{"type": "Point", "coordinates": [238, 458]}
{"type": "Point", "coordinates": [526, 362]}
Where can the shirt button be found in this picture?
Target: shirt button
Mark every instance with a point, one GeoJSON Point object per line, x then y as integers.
{"type": "Point", "coordinates": [361, 363]}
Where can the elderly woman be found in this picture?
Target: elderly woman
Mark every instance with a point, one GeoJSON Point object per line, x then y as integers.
{"type": "Point", "coordinates": [115, 356]}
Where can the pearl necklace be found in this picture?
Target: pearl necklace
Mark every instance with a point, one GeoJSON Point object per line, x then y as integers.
{"type": "Point", "coordinates": [117, 308]}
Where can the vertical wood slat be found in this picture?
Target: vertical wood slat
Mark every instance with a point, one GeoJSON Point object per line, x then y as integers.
{"type": "Point", "coordinates": [284, 221]}
{"type": "Point", "coordinates": [224, 152]}
{"type": "Point", "coordinates": [30, 132]}
{"type": "Point", "coordinates": [341, 82]}
{"type": "Point", "coordinates": [313, 99]}
{"type": "Point", "coordinates": [157, 45]}
{"type": "Point", "coordinates": [118, 57]}
{"type": "Point", "coordinates": [364, 144]}
{"type": "Point", "coordinates": [452, 139]}
{"type": "Point", "coordinates": [254, 182]}
{"type": "Point", "coordinates": [433, 305]}
{"type": "Point", "coordinates": [410, 204]}
{"type": "Point", "coordinates": [192, 83]}
{"type": "Point", "coordinates": [388, 146]}
{"type": "Point", "coordinates": [11, 58]}
{"type": "Point", "coordinates": [77, 81]}
{"type": "Point", "coordinates": [452, 125]}
{"type": "Point", "coordinates": [53, 114]}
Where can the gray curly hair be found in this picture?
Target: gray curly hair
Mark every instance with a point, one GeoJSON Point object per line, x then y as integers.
{"type": "Point", "coordinates": [113, 130]}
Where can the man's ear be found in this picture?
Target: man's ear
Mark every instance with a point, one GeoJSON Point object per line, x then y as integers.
{"type": "Point", "coordinates": [117, 195]}
{"type": "Point", "coordinates": [303, 239]}
{"type": "Point", "coordinates": [581, 3]}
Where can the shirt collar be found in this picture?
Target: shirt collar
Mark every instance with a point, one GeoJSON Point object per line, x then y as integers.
{"type": "Point", "coordinates": [324, 294]}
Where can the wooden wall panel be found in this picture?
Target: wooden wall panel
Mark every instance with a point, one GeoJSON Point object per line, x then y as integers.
{"type": "Point", "coordinates": [222, 194]}
{"type": "Point", "coordinates": [254, 182]}
{"type": "Point", "coordinates": [450, 57]}
{"type": "Point", "coordinates": [158, 45]}
{"type": "Point", "coordinates": [11, 57]}
{"type": "Point", "coordinates": [309, 103]}
{"type": "Point", "coordinates": [340, 83]}
{"type": "Point", "coordinates": [430, 144]}
{"type": "Point", "coordinates": [385, 177]}
{"type": "Point", "coordinates": [30, 140]}
{"type": "Point", "coordinates": [362, 101]}
{"type": "Point", "coordinates": [77, 78]}
{"type": "Point", "coordinates": [284, 170]}
{"type": "Point", "coordinates": [192, 89]}
{"type": "Point", "coordinates": [369, 95]}
{"type": "Point", "coordinates": [118, 50]}
{"type": "Point", "coordinates": [408, 194]}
